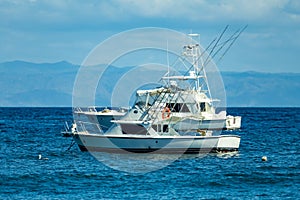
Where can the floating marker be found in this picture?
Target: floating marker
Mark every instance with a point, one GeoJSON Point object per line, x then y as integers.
{"type": "Point", "coordinates": [264, 158]}
{"type": "Point", "coordinates": [40, 157]}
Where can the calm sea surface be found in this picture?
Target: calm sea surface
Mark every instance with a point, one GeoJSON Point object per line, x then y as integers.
{"type": "Point", "coordinates": [69, 174]}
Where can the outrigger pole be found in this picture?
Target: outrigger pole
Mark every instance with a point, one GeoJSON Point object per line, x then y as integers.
{"type": "Point", "coordinates": [216, 43]}
{"type": "Point", "coordinates": [211, 51]}
{"type": "Point", "coordinates": [240, 32]}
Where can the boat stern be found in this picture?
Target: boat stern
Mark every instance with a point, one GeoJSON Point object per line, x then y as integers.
{"type": "Point", "coordinates": [228, 143]}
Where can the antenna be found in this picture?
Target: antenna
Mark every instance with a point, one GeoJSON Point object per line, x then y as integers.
{"type": "Point", "coordinates": [168, 60]}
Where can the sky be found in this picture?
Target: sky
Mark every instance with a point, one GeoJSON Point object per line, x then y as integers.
{"type": "Point", "coordinates": [55, 30]}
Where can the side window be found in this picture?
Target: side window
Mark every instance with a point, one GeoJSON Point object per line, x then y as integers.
{"type": "Point", "coordinates": [184, 108]}
{"type": "Point", "coordinates": [165, 128]}
{"type": "Point", "coordinates": [202, 107]}
{"type": "Point", "coordinates": [178, 107]}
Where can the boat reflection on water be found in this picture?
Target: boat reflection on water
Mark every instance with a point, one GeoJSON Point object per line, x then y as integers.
{"type": "Point", "coordinates": [137, 163]}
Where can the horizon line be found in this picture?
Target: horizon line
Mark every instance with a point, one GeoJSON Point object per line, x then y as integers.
{"type": "Point", "coordinates": [65, 61]}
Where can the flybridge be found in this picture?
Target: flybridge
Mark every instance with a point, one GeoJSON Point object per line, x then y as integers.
{"type": "Point", "coordinates": [191, 53]}
{"type": "Point", "coordinates": [191, 76]}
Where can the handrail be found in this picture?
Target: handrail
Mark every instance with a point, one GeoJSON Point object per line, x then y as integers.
{"type": "Point", "coordinates": [83, 127]}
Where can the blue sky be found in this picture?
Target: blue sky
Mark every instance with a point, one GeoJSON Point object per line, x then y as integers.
{"type": "Point", "coordinates": [55, 30]}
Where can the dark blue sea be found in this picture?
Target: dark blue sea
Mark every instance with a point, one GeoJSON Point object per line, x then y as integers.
{"type": "Point", "coordinates": [68, 173]}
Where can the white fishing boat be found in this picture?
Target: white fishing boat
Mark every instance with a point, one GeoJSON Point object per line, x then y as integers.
{"type": "Point", "coordinates": [101, 116]}
{"type": "Point", "coordinates": [173, 118]}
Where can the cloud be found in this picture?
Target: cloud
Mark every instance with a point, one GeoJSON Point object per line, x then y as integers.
{"type": "Point", "coordinates": [69, 29]}
{"type": "Point", "coordinates": [46, 14]}
{"type": "Point", "coordinates": [292, 7]}
{"type": "Point", "coordinates": [203, 11]}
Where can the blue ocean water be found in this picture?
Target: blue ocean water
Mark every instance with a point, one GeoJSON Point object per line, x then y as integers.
{"type": "Point", "coordinates": [67, 174]}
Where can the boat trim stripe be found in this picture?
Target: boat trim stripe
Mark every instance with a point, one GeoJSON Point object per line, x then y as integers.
{"type": "Point", "coordinates": [158, 151]}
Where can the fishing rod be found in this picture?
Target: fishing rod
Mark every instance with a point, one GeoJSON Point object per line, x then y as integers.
{"type": "Point", "coordinates": [232, 38]}
{"type": "Point", "coordinates": [231, 44]}
{"type": "Point", "coordinates": [216, 43]}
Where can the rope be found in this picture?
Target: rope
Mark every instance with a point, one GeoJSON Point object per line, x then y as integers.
{"type": "Point", "coordinates": [71, 145]}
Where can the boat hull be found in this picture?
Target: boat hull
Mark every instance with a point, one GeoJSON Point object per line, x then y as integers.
{"type": "Point", "coordinates": [192, 124]}
{"type": "Point", "coordinates": [161, 144]}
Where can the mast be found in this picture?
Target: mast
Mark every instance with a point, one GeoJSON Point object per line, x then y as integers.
{"type": "Point", "coordinates": [192, 51]}
{"type": "Point", "coordinates": [168, 61]}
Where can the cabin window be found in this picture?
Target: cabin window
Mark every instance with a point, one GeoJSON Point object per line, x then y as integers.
{"type": "Point", "coordinates": [202, 107]}
{"type": "Point", "coordinates": [165, 128]}
{"type": "Point", "coordinates": [157, 128]}
{"type": "Point", "coordinates": [178, 107]}
{"type": "Point", "coordinates": [135, 129]}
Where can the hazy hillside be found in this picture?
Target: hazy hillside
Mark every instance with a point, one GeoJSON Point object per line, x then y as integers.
{"type": "Point", "coordinates": [262, 89]}
{"type": "Point", "coordinates": [51, 84]}
{"type": "Point", "coordinates": [30, 84]}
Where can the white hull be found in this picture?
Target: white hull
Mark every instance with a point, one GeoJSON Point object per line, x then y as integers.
{"type": "Point", "coordinates": [193, 124]}
{"type": "Point", "coordinates": [157, 144]}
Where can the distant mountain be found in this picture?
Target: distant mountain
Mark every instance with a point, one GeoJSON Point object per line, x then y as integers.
{"type": "Point", "coordinates": [51, 84]}
{"type": "Point", "coordinates": [31, 84]}
{"type": "Point", "coordinates": [252, 89]}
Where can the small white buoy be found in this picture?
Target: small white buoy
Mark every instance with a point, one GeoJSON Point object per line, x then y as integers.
{"type": "Point", "coordinates": [264, 158]}
{"type": "Point", "coordinates": [40, 157]}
